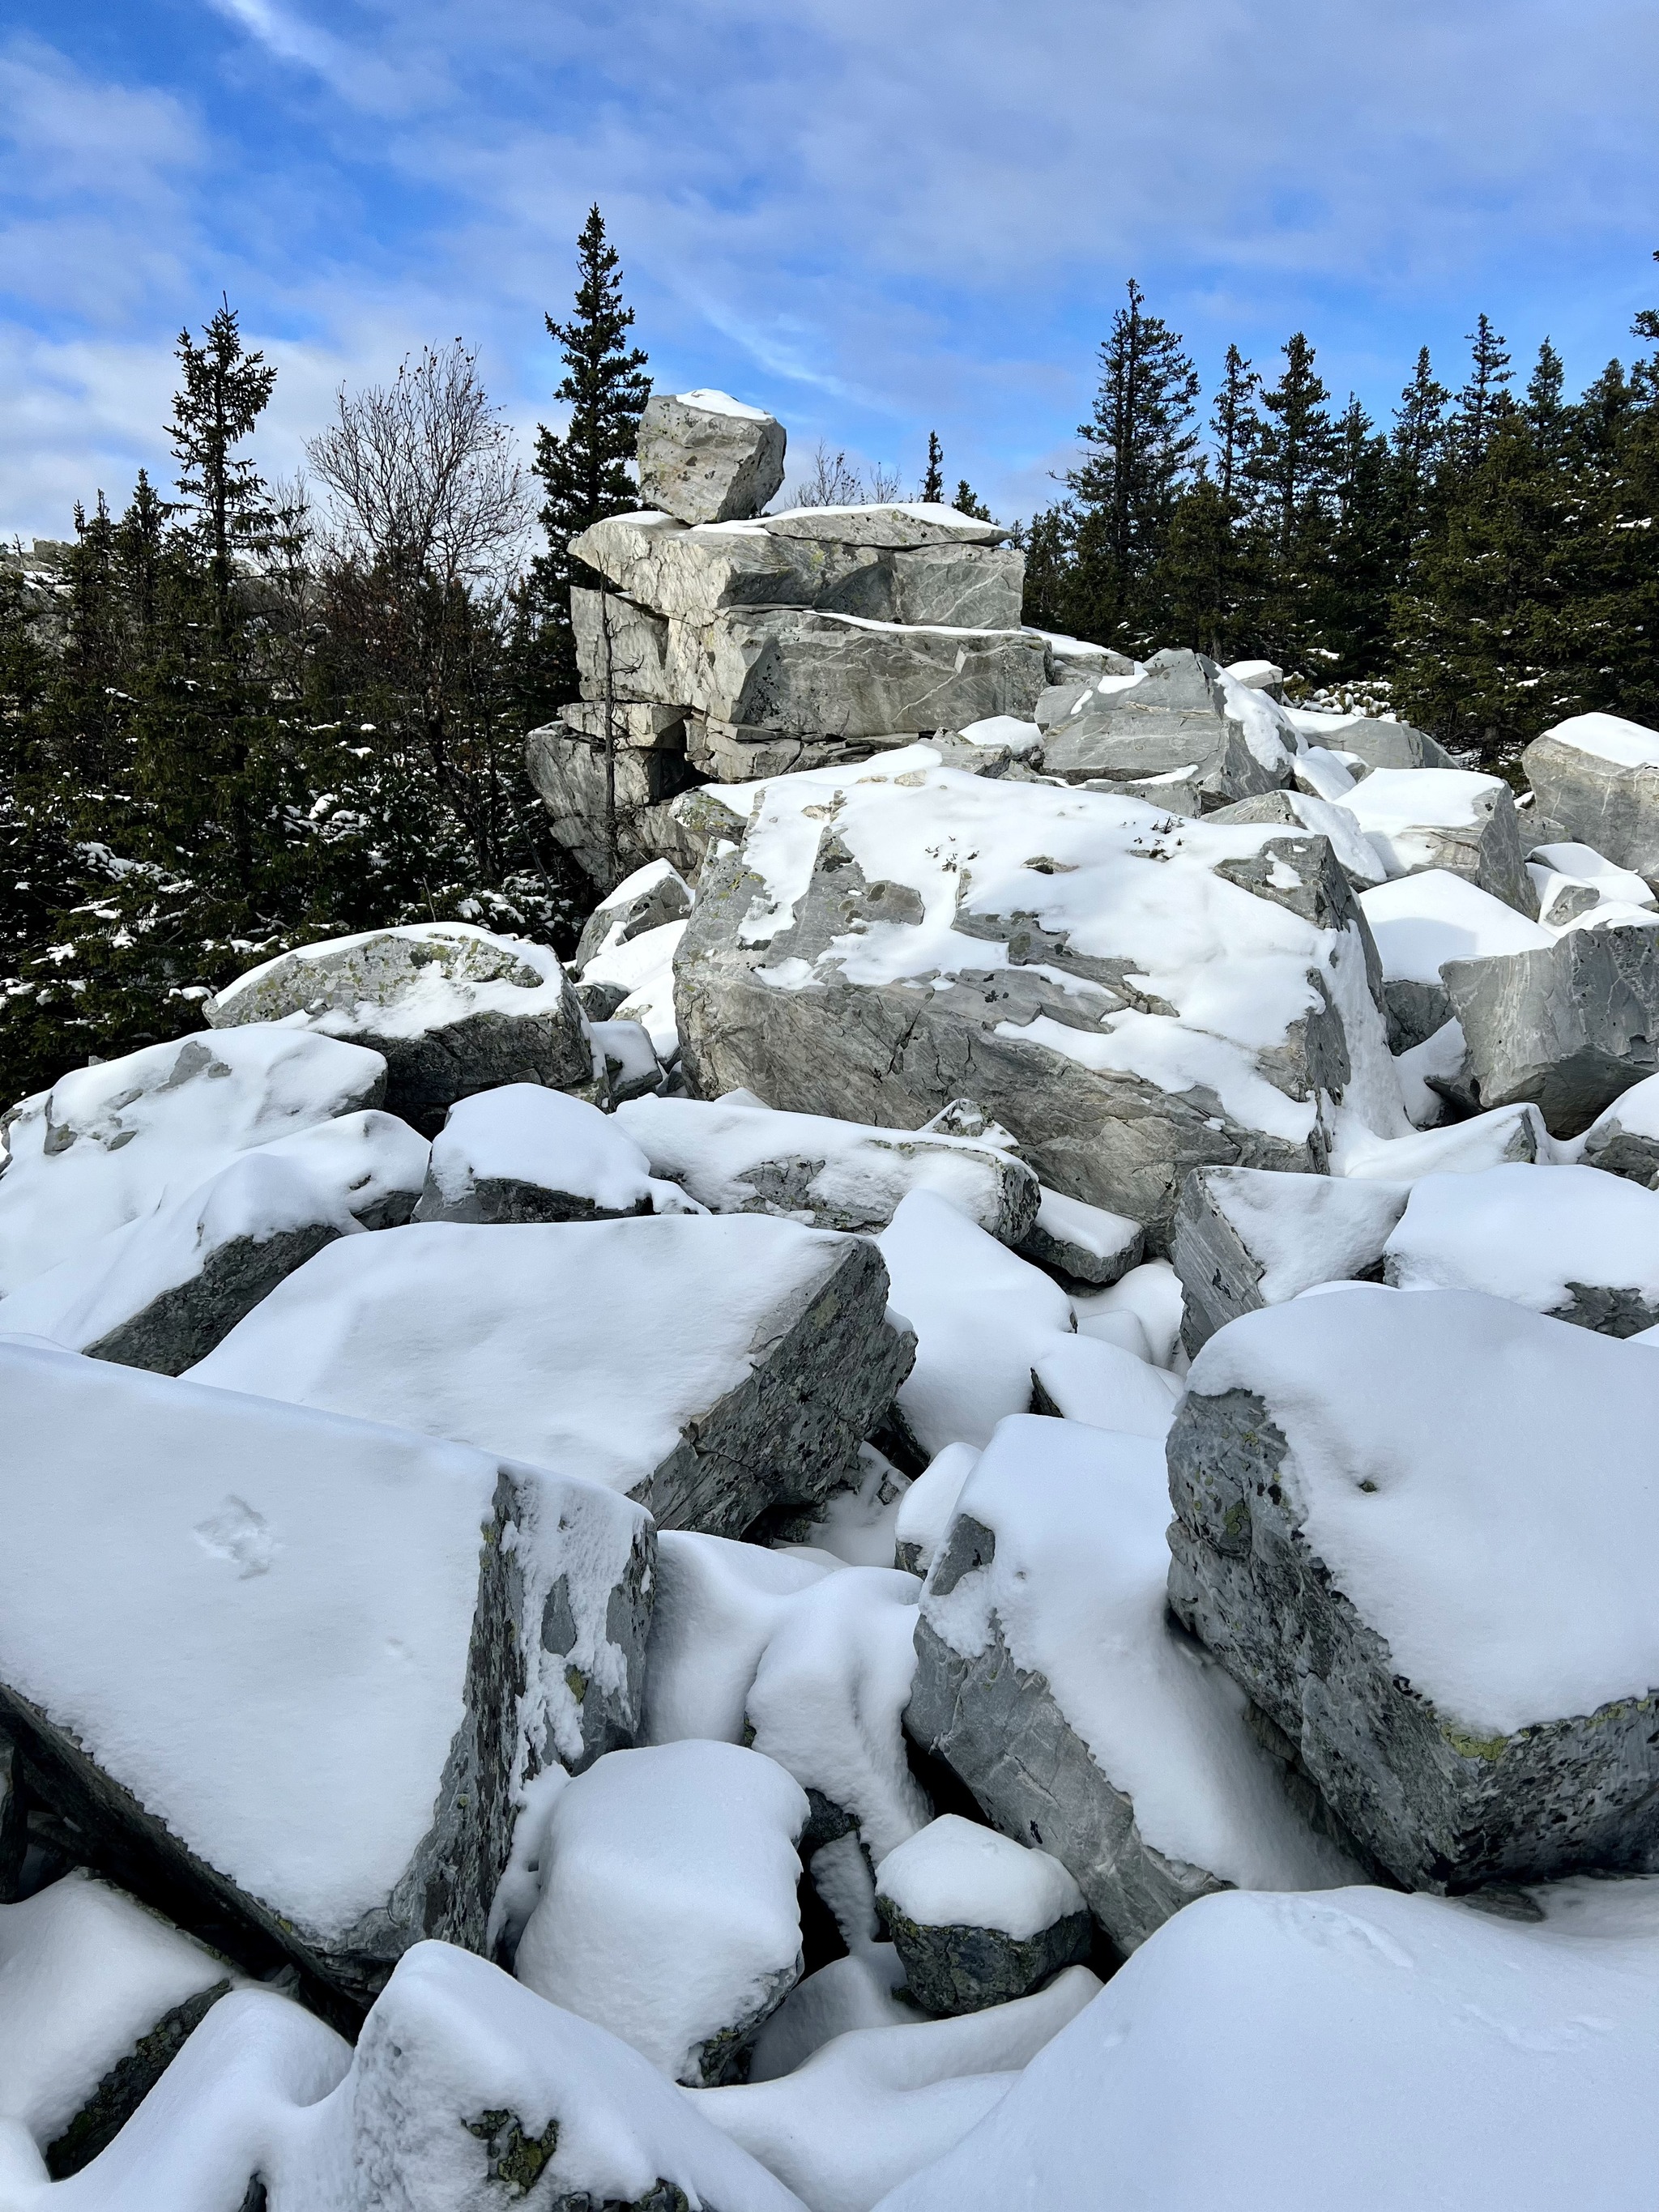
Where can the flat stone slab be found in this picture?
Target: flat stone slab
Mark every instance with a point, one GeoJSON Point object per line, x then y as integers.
{"type": "Point", "coordinates": [1375, 1535]}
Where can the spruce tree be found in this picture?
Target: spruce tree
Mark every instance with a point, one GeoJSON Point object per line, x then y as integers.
{"type": "Point", "coordinates": [1546, 411]}
{"type": "Point", "coordinates": [1418, 441]}
{"type": "Point", "coordinates": [1235, 425]}
{"type": "Point", "coordinates": [584, 471]}
{"type": "Point", "coordinates": [932, 482]}
{"type": "Point", "coordinates": [1484, 399]}
{"type": "Point", "coordinates": [1293, 468]}
{"type": "Point", "coordinates": [225, 390]}
{"type": "Point", "coordinates": [968, 502]}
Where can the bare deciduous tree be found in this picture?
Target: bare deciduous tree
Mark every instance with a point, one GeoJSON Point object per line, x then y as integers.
{"type": "Point", "coordinates": [831, 480]}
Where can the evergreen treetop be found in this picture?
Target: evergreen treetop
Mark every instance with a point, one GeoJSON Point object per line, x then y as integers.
{"type": "Point", "coordinates": [932, 482]}
{"type": "Point", "coordinates": [224, 391]}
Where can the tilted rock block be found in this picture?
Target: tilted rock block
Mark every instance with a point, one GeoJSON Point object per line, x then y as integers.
{"type": "Point", "coordinates": [1458, 1641]}
{"type": "Point", "coordinates": [704, 457]}
{"type": "Point", "coordinates": [1419, 922]}
{"type": "Point", "coordinates": [1445, 819]}
{"type": "Point", "coordinates": [1084, 1241]}
{"type": "Point", "coordinates": [1244, 1240]}
{"type": "Point", "coordinates": [1386, 744]}
{"type": "Point", "coordinates": [290, 1670]}
{"type": "Point", "coordinates": [1182, 715]}
{"type": "Point", "coordinates": [1597, 777]}
{"type": "Point", "coordinates": [1624, 1139]}
{"type": "Point", "coordinates": [651, 897]}
{"type": "Point", "coordinates": [452, 1010]}
{"type": "Point", "coordinates": [909, 934]}
{"type": "Point", "coordinates": [1569, 1028]}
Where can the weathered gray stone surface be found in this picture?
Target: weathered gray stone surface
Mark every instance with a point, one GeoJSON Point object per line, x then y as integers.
{"type": "Point", "coordinates": [1386, 744]}
{"type": "Point", "coordinates": [229, 1770]}
{"type": "Point", "coordinates": [1461, 821]}
{"type": "Point", "coordinates": [1316, 1408]}
{"type": "Point", "coordinates": [703, 463]}
{"type": "Point", "coordinates": [901, 525]}
{"type": "Point", "coordinates": [1174, 719]}
{"type": "Point", "coordinates": [569, 772]}
{"type": "Point", "coordinates": [1244, 1240]}
{"type": "Point", "coordinates": [621, 650]}
{"type": "Point", "coordinates": [630, 722]}
{"type": "Point", "coordinates": [1084, 1241]}
{"type": "Point", "coordinates": [1598, 798]}
{"type": "Point", "coordinates": [727, 753]}
{"type": "Point", "coordinates": [698, 574]}
{"type": "Point", "coordinates": [955, 1969]}
{"type": "Point", "coordinates": [828, 675]}
{"type": "Point", "coordinates": [1570, 1027]}
{"type": "Point", "coordinates": [654, 895]}
{"type": "Point", "coordinates": [1624, 1139]}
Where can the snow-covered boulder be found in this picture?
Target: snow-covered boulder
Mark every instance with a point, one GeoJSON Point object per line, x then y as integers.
{"type": "Point", "coordinates": [1375, 1535]}
{"type": "Point", "coordinates": [1051, 1679]}
{"type": "Point", "coordinates": [1569, 1028]}
{"type": "Point", "coordinates": [1312, 811]}
{"type": "Point", "coordinates": [96, 1996]}
{"type": "Point", "coordinates": [1129, 995]}
{"type": "Point", "coordinates": [704, 457]}
{"type": "Point", "coordinates": [162, 1290]}
{"type": "Point", "coordinates": [1083, 1241]}
{"type": "Point", "coordinates": [1624, 1140]}
{"type": "Point", "coordinates": [115, 1140]}
{"type": "Point", "coordinates": [1371, 741]}
{"type": "Point", "coordinates": [526, 1153]}
{"type": "Point", "coordinates": [467, 2091]}
{"type": "Point", "coordinates": [928, 1507]}
{"type": "Point", "coordinates": [1485, 1140]}
{"type": "Point", "coordinates": [668, 1910]}
{"type": "Point", "coordinates": [1597, 779]}
{"type": "Point", "coordinates": [1419, 922]}
{"type": "Point", "coordinates": [1109, 1386]}
{"type": "Point", "coordinates": [710, 1368]}
{"type": "Point", "coordinates": [1449, 818]}
{"type": "Point", "coordinates": [1245, 1239]}
{"type": "Point", "coordinates": [295, 1667]}
{"type": "Point", "coordinates": [653, 896]}
{"type": "Point", "coordinates": [376, 1162]}
{"type": "Point", "coordinates": [716, 1605]}
{"type": "Point", "coordinates": [976, 1918]}
{"type": "Point", "coordinates": [828, 1701]}
{"type": "Point", "coordinates": [1569, 1241]}
{"type": "Point", "coordinates": [1501, 2064]}
{"type": "Point", "coordinates": [1571, 880]}
{"type": "Point", "coordinates": [452, 1010]}
{"type": "Point", "coordinates": [1179, 720]}
{"type": "Point", "coordinates": [634, 979]}
{"type": "Point", "coordinates": [879, 2104]}
{"type": "Point", "coordinates": [735, 1156]}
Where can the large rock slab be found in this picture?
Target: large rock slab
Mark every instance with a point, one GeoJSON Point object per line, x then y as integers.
{"type": "Point", "coordinates": [805, 674]}
{"type": "Point", "coordinates": [1183, 715]}
{"type": "Point", "coordinates": [582, 793]}
{"type": "Point", "coordinates": [1244, 1239]}
{"type": "Point", "coordinates": [1374, 1535]}
{"type": "Point", "coordinates": [696, 574]}
{"type": "Point", "coordinates": [523, 1153]}
{"type": "Point", "coordinates": [736, 1156]}
{"type": "Point", "coordinates": [1419, 922]}
{"type": "Point", "coordinates": [452, 1010]}
{"type": "Point", "coordinates": [897, 524]}
{"type": "Point", "coordinates": [668, 1910]}
{"type": "Point", "coordinates": [704, 457]}
{"type": "Point", "coordinates": [1375, 743]}
{"type": "Point", "coordinates": [1129, 996]}
{"type": "Point", "coordinates": [1450, 818]}
{"type": "Point", "coordinates": [1597, 778]}
{"type": "Point", "coordinates": [290, 1670]}
{"type": "Point", "coordinates": [1050, 1679]}
{"type": "Point", "coordinates": [769, 1356]}
{"type": "Point", "coordinates": [117, 1139]}
{"type": "Point", "coordinates": [1568, 1028]}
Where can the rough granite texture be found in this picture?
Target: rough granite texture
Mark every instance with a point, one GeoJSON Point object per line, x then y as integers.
{"type": "Point", "coordinates": [1568, 1027]}
{"type": "Point", "coordinates": [703, 466]}
{"type": "Point", "coordinates": [960, 1969]}
{"type": "Point", "coordinates": [509, 1198]}
{"type": "Point", "coordinates": [1440, 1808]}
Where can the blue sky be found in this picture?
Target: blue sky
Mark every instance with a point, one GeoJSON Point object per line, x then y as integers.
{"type": "Point", "coordinates": [873, 216]}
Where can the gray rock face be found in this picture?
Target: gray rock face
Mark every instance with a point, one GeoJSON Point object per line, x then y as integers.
{"type": "Point", "coordinates": [1570, 1027]}
{"type": "Point", "coordinates": [654, 896]}
{"type": "Point", "coordinates": [901, 525]}
{"type": "Point", "coordinates": [328, 1758]}
{"type": "Point", "coordinates": [727, 753]}
{"type": "Point", "coordinates": [953, 1969]}
{"type": "Point", "coordinates": [1174, 719]}
{"type": "Point", "coordinates": [696, 575]}
{"type": "Point", "coordinates": [452, 1008]}
{"type": "Point", "coordinates": [622, 650]}
{"type": "Point", "coordinates": [1244, 1240]}
{"type": "Point", "coordinates": [1625, 1140]}
{"type": "Point", "coordinates": [569, 772]}
{"type": "Point", "coordinates": [703, 462]}
{"type": "Point", "coordinates": [1480, 1716]}
{"type": "Point", "coordinates": [1084, 1241]}
{"type": "Point", "coordinates": [828, 675]}
{"type": "Point", "coordinates": [1463, 822]}
{"type": "Point", "coordinates": [630, 722]}
{"type": "Point", "coordinates": [1606, 799]}
{"type": "Point", "coordinates": [1388, 744]}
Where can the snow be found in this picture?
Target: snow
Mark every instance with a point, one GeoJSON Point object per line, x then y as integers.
{"type": "Point", "coordinates": [1355, 851]}
{"type": "Point", "coordinates": [1526, 1233]}
{"type": "Point", "coordinates": [1422, 920]}
{"type": "Point", "coordinates": [955, 1873]}
{"type": "Point", "coordinates": [717, 1602]}
{"type": "Point", "coordinates": [1102, 1235]}
{"type": "Point", "coordinates": [722, 403]}
{"type": "Point", "coordinates": [1635, 1111]}
{"type": "Point", "coordinates": [1327, 776]}
{"type": "Point", "coordinates": [928, 1505]}
{"type": "Point", "coordinates": [525, 1338]}
{"type": "Point", "coordinates": [108, 1142]}
{"type": "Point", "coordinates": [725, 1152]}
{"type": "Point", "coordinates": [1108, 1386]}
{"type": "Point", "coordinates": [256, 1197]}
{"type": "Point", "coordinates": [1628, 745]}
{"type": "Point", "coordinates": [877, 2104]}
{"type": "Point", "coordinates": [1479, 1482]}
{"type": "Point", "coordinates": [854, 1526]}
{"type": "Point", "coordinates": [1554, 869]}
{"type": "Point", "coordinates": [828, 1696]}
{"type": "Point", "coordinates": [524, 1133]}
{"type": "Point", "coordinates": [1076, 1586]}
{"type": "Point", "coordinates": [84, 1973]}
{"type": "Point", "coordinates": [257, 1617]}
{"type": "Point", "coordinates": [668, 1911]}
{"type": "Point", "coordinates": [644, 968]}
{"type": "Point", "coordinates": [1234, 967]}
{"type": "Point", "coordinates": [1255, 675]}
{"type": "Point", "coordinates": [982, 1318]}
{"type": "Point", "coordinates": [1485, 1140]}
{"type": "Point", "coordinates": [1441, 1057]}
{"type": "Point", "coordinates": [919, 510]}
{"type": "Point", "coordinates": [1269, 733]}
{"type": "Point", "coordinates": [1150, 1298]}
{"type": "Point", "coordinates": [1362, 2048]}
{"type": "Point", "coordinates": [1306, 1229]}
{"type": "Point", "coordinates": [1393, 805]}
{"type": "Point", "coordinates": [376, 1162]}
{"type": "Point", "coordinates": [1021, 738]}
{"type": "Point", "coordinates": [861, 1991]}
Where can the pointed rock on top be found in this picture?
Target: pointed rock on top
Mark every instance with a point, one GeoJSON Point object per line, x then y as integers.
{"type": "Point", "coordinates": [704, 457]}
